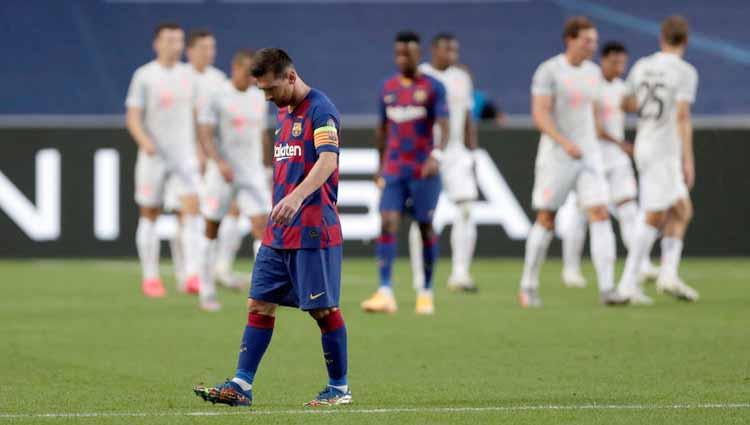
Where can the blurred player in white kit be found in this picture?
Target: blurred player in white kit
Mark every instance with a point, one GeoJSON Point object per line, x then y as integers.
{"type": "Point", "coordinates": [231, 128]}
{"type": "Point", "coordinates": [201, 54]}
{"type": "Point", "coordinates": [618, 170]}
{"type": "Point", "coordinates": [565, 90]}
{"type": "Point", "coordinates": [160, 118]}
{"type": "Point", "coordinates": [660, 88]}
{"type": "Point", "coordinates": [457, 170]}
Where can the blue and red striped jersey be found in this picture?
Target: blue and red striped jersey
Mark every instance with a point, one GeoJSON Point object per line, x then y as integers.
{"type": "Point", "coordinates": [410, 108]}
{"type": "Point", "coordinates": [302, 134]}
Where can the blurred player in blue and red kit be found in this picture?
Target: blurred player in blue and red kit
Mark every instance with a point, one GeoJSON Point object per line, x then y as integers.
{"type": "Point", "coordinates": [299, 263]}
{"type": "Point", "coordinates": [411, 103]}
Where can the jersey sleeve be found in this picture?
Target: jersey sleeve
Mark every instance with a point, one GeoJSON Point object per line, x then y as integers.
{"type": "Point", "coordinates": [326, 129]}
{"type": "Point", "coordinates": [440, 106]}
{"type": "Point", "coordinates": [631, 84]}
{"type": "Point", "coordinates": [136, 97]}
{"type": "Point", "coordinates": [688, 86]}
{"type": "Point", "coordinates": [543, 82]}
{"type": "Point", "coordinates": [381, 105]}
{"type": "Point", "coordinates": [208, 111]}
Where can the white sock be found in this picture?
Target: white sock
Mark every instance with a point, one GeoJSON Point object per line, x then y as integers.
{"type": "Point", "coordinates": [537, 243]}
{"type": "Point", "coordinates": [147, 243]}
{"type": "Point", "coordinates": [603, 253]}
{"type": "Point", "coordinates": [671, 252]}
{"type": "Point", "coordinates": [256, 247]}
{"type": "Point", "coordinates": [463, 241]}
{"type": "Point", "coordinates": [386, 290]}
{"type": "Point", "coordinates": [573, 241]}
{"type": "Point", "coordinates": [644, 239]}
{"type": "Point", "coordinates": [178, 256]}
{"type": "Point", "coordinates": [471, 239]}
{"type": "Point", "coordinates": [229, 242]}
{"type": "Point", "coordinates": [207, 282]}
{"type": "Point", "coordinates": [415, 254]}
{"type": "Point", "coordinates": [342, 388]}
{"type": "Point", "coordinates": [243, 384]}
{"type": "Point", "coordinates": [627, 217]}
{"type": "Point", "coordinates": [192, 241]}
{"type": "Point", "coordinates": [424, 291]}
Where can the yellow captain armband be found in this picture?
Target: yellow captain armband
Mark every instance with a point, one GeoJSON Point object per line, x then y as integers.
{"type": "Point", "coordinates": [327, 135]}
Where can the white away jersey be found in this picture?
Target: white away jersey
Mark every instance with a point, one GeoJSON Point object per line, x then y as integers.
{"type": "Point", "coordinates": [240, 119]}
{"type": "Point", "coordinates": [459, 95]}
{"type": "Point", "coordinates": [574, 89]}
{"type": "Point", "coordinates": [167, 98]}
{"type": "Point", "coordinates": [612, 118]}
{"type": "Point", "coordinates": [208, 82]}
{"type": "Point", "coordinates": [659, 82]}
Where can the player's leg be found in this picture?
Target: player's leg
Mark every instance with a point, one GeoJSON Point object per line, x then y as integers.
{"type": "Point", "coordinates": [675, 227]}
{"type": "Point", "coordinates": [572, 225]}
{"type": "Point", "coordinates": [228, 243]}
{"type": "Point", "coordinates": [415, 256]}
{"type": "Point", "coordinates": [271, 286]}
{"type": "Point", "coordinates": [186, 169]}
{"type": "Point", "coordinates": [425, 194]}
{"type": "Point", "coordinates": [392, 203]}
{"type": "Point", "coordinates": [149, 182]}
{"type": "Point", "coordinates": [552, 184]}
{"type": "Point", "coordinates": [172, 205]}
{"type": "Point", "coordinates": [463, 243]}
{"type": "Point", "coordinates": [316, 274]}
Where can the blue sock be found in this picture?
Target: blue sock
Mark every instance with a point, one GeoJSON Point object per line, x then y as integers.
{"type": "Point", "coordinates": [333, 339]}
{"type": "Point", "coordinates": [386, 253]}
{"type": "Point", "coordinates": [256, 339]}
{"type": "Point", "coordinates": [429, 256]}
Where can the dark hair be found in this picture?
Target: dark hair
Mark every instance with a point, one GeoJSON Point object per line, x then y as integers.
{"type": "Point", "coordinates": [575, 25]}
{"type": "Point", "coordinates": [165, 26]}
{"type": "Point", "coordinates": [674, 30]}
{"type": "Point", "coordinates": [241, 55]}
{"type": "Point", "coordinates": [407, 37]}
{"type": "Point", "coordinates": [442, 36]}
{"type": "Point", "coordinates": [196, 35]}
{"type": "Point", "coordinates": [613, 47]}
{"type": "Point", "coordinates": [271, 60]}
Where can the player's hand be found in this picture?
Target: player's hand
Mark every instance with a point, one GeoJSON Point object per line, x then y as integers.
{"type": "Point", "coordinates": [627, 147]}
{"type": "Point", "coordinates": [284, 211]}
{"type": "Point", "coordinates": [430, 168]}
{"type": "Point", "coordinates": [379, 180]}
{"type": "Point", "coordinates": [688, 170]}
{"type": "Point", "coordinates": [226, 171]}
{"type": "Point", "coordinates": [573, 150]}
{"type": "Point", "coordinates": [148, 147]}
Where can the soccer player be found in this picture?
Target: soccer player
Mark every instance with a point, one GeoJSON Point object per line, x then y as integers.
{"type": "Point", "coordinates": [160, 108]}
{"type": "Point", "coordinates": [201, 53]}
{"type": "Point", "coordinates": [660, 88]}
{"type": "Point", "coordinates": [411, 103]}
{"type": "Point", "coordinates": [564, 90]}
{"type": "Point", "coordinates": [299, 263]}
{"type": "Point", "coordinates": [617, 168]}
{"type": "Point", "coordinates": [236, 115]}
{"type": "Point", "coordinates": [458, 179]}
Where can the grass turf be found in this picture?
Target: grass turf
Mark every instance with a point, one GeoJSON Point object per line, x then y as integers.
{"type": "Point", "coordinates": [77, 337]}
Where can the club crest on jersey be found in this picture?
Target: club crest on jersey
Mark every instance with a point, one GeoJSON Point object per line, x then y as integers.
{"type": "Point", "coordinates": [420, 95]}
{"type": "Point", "coordinates": [282, 152]}
{"type": "Point", "coordinates": [389, 98]}
{"type": "Point", "coordinates": [297, 129]}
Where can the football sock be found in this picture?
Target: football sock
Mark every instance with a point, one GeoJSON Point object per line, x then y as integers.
{"type": "Point", "coordinates": [429, 256]}
{"type": "Point", "coordinates": [255, 341]}
{"type": "Point", "coordinates": [537, 243]}
{"type": "Point", "coordinates": [386, 253]}
{"type": "Point", "coordinates": [573, 241]}
{"type": "Point", "coordinates": [147, 243]}
{"type": "Point", "coordinates": [463, 237]}
{"type": "Point", "coordinates": [645, 236]}
{"type": "Point", "coordinates": [207, 281]}
{"type": "Point", "coordinates": [470, 239]}
{"type": "Point", "coordinates": [333, 339]}
{"type": "Point", "coordinates": [192, 241]}
{"type": "Point", "coordinates": [671, 251]}
{"type": "Point", "coordinates": [229, 241]}
{"type": "Point", "coordinates": [415, 255]}
{"type": "Point", "coordinates": [627, 217]}
{"type": "Point", "coordinates": [603, 253]}
{"type": "Point", "coordinates": [178, 257]}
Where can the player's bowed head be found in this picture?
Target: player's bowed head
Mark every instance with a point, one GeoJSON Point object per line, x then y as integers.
{"type": "Point", "coordinates": [276, 76]}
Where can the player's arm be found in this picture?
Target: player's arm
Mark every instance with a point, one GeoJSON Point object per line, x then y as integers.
{"type": "Point", "coordinates": [134, 124]}
{"type": "Point", "coordinates": [541, 113]}
{"type": "Point", "coordinates": [207, 118]}
{"type": "Point", "coordinates": [470, 131]}
{"type": "Point", "coordinates": [629, 104]}
{"type": "Point", "coordinates": [440, 112]}
{"type": "Point", "coordinates": [381, 135]}
{"type": "Point", "coordinates": [326, 164]}
{"type": "Point", "coordinates": [602, 132]}
{"type": "Point", "coordinates": [685, 131]}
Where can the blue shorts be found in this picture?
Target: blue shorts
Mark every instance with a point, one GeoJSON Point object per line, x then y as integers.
{"type": "Point", "coordinates": [305, 278]}
{"type": "Point", "coordinates": [420, 195]}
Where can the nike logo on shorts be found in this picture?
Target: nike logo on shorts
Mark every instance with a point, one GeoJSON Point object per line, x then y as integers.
{"type": "Point", "coordinates": [316, 296]}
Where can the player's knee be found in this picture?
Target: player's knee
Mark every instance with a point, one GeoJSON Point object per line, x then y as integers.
{"type": "Point", "coordinates": [389, 224]}
{"type": "Point", "coordinates": [212, 229]}
{"type": "Point", "coordinates": [546, 219]}
{"type": "Point", "coordinates": [320, 313]}
{"type": "Point", "coordinates": [260, 307]}
{"type": "Point", "coordinates": [655, 218]}
{"type": "Point", "coordinates": [151, 213]}
{"type": "Point", "coordinates": [598, 213]}
{"type": "Point", "coordinates": [427, 231]}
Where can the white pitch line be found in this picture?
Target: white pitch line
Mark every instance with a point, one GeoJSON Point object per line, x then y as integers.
{"type": "Point", "coordinates": [345, 410]}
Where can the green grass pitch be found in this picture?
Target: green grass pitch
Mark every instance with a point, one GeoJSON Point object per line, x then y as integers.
{"type": "Point", "coordinates": [79, 342]}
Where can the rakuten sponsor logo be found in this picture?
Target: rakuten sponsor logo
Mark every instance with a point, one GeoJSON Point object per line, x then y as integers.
{"type": "Point", "coordinates": [401, 114]}
{"type": "Point", "coordinates": [283, 152]}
